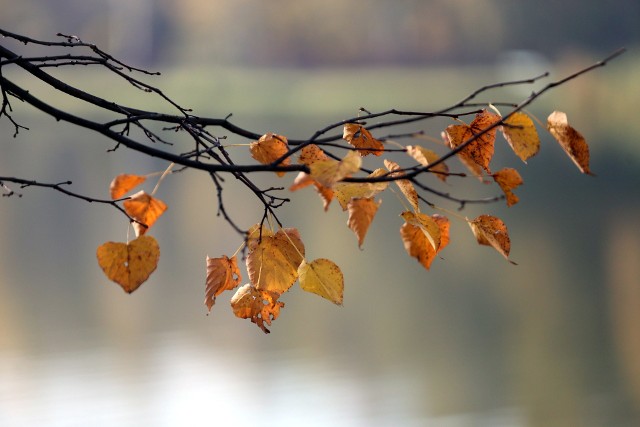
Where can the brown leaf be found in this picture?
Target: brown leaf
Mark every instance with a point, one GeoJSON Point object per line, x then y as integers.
{"type": "Point", "coordinates": [418, 246]}
{"type": "Point", "coordinates": [425, 157]}
{"type": "Point", "coordinates": [428, 225]}
{"type": "Point", "coordinates": [269, 148]}
{"type": "Point", "coordinates": [304, 180]}
{"type": "Point", "coordinates": [480, 150]}
{"type": "Point", "coordinates": [405, 185]}
{"type": "Point", "coordinates": [144, 208]}
{"type": "Point", "coordinates": [571, 141]}
{"type": "Point", "coordinates": [521, 134]}
{"type": "Point", "coordinates": [345, 191]}
{"type": "Point", "coordinates": [258, 305]}
{"type": "Point", "coordinates": [491, 231]}
{"type": "Point", "coordinates": [508, 179]}
{"type": "Point", "coordinates": [311, 154]}
{"type": "Point", "coordinates": [328, 172]}
{"type": "Point", "coordinates": [222, 274]}
{"type": "Point", "coordinates": [361, 214]}
{"type": "Point", "coordinates": [124, 183]}
{"type": "Point", "coordinates": [362, 139]}
{"type": "Point", "coordinates": [129, 264]}
{"type": "Point", "coordinates": [322, 277]}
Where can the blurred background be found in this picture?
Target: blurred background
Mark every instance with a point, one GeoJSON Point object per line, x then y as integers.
{"type": "Point", "coordinates": [475, 341]}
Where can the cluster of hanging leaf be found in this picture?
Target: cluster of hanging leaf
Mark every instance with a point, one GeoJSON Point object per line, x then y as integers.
{"type": "Point", "coordinates": [275, 259]}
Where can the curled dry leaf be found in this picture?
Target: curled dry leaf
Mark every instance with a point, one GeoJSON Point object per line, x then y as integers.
{"type": "Point", "coordinates": [418, 246]}
{"type": "Point", "coordinates": [425, 157]}
{"type": "Point", "coordinates": [521, 134]}
{"type": "Point", "coordinates": [258, 305]}
{"type": "Point", "coordinates": [571, 141]}
{"type": "Point", "coordinates": [322, 277]}
{"type": "Point", "coordinates": [222, 274]}
{"type": "Point", "coordinates": [405, 185]}
{"type": "Point", "coordinates": [328, 172]}
{"type": "Point", "coordinates": [508, 179]}
{"type": "Point", "coordinates": [124, 183]}
{"type": "Point", "coordinates": [427, 224]}
{"type": "Point", "coordinates": [491, 231]}
{"type": "Point", "coordinates": [269, 148]}
{"type": "Point", "coordinates": [480, 150]}
{"type": "Point", "coordinates": [273, 260]}
{"type": "Point", "coordinates": [129, 264]}
{"type": "Point", "coordinates": [345, 191]}
{"type": "Point", "coordinates": [362, 139]}
{"type": "Point", "coordinates": [304, 180]}
{"type": "Point", "coordinates": [311, 154]}
{"type": "Point", "coordinates": [361, 214]}
{"type": "Point", "coordinates": [144, 208]}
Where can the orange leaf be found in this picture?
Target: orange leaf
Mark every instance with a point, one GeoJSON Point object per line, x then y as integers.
{"type": "Point", "coordinates": [304, 180]}
{"type": "Point", "coordinates": [361, 213]}
{"type": "Point", "coordinates": [405, 185]}
{"type": "Point", "coordinates": [269, 148]}
{"type": "Point", "coordinates": [425, 157]}
{"type": "Point", "coordinates": [328, 172]}
{"type": "Point", "coordinates": [362, 139]}
{"type": "Point", "coordinates": [129, 264]}
{"type": "Point", "coordinates": [273, 261]}
{"type": "Point", "coordinates": [491, 231]}
{"type": "Point", "coordinates": [322, 277]}
{"type": "Point", "coordinates": [222, 274]}
{"type": "Point", "coordinates": [521, 134]}
{"type": "Point", "coordinates": [345, 191]}
{"type": "Point", "coordinates": [418, 246]}
{"type": "Point", "coordinates": [124, 183]}
{"type": "Point", "coordinates": [144, 208]}
{"type": "Point", "coordinates": [480, 150]}
{"type": "Point", "coordinates": [311, 154]}
{"type": "Point", "coordinates": [428, 225]}
{"type": "Point", "coordinates": [258, 305]}
{"type": "Point", "coordinates": [571, 141]}
{"type": "Point", "coordinates": [508, 179]}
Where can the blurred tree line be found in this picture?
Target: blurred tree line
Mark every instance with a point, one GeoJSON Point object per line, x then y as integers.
{"type": "Point", "coordinates": [330, 32]}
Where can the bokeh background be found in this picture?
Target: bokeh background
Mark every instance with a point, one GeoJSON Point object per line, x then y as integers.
{"type": "Point", "coordinates": [475, 341]}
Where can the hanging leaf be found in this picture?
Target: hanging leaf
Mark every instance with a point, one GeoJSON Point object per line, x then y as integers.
{"type": "Point", "coordinates": [258, 305]}
{"type": "Point", "coordinates": [428, 225]}
{"type": "Point", "coordinates": [473, 167]}
{"type": "Point", "coordinates": [144, 208]}
{"type": "Point", "coordinates": [491, 231]}
{"type": "Point", "coordinates": [322, 277]}
{"type": "Point", "coordinates": [311, 154]}
{"type": "Point", "coordinates": [508, 179]}
{"type": "Point", "coordinates": [406, 187]}
{"type": "Point", "coordinates": [361, 214]}
{"type": "Point", "coordinates": [362, 139]}
{"type": "Point", "coordinates": [328, 172]}
{"type": "Point", "coordinates": [129, 264]}
{"type": "Point", "coordinates": [425, 157]}
{"type": "Point", "coordinates": [304, 180]}
{"type": "Point", "coordinates": [345, 191]}
{"type": "Point", "coordinates": [222, 274]}
{"type": "Point", "coordinates": [124, 183]}
{"type": "Point", "coordinates": [480, 150]}
{"type": "Point", "coordinates": [419, 246]}
{"type": "Point", "coordinates": [269, 148]}
{"type": "Point", "coordinates": [571, 141]}
{"type": "Point", "coordinates": [521, 134]}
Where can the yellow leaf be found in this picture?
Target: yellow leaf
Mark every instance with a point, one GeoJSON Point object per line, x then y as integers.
{"type": "Point", "coordinates": [311, 154]}
{"type": "Point", "coordinates": [479, 151]}
{"type": "Point", "coordinates": [425, 157]}
{"type": "Point", "coordinates": [144, 208]}
{"type": "Point", "coordinates": [345, 191]}
{"type": "Point", "coordinates": [427, 224]}
{"type": "Point", "coordinates": [323, 277]}
{"type": "Point", "coordinates": [521, 134]}
{"type": "Point", "coordinates": [362, 139]}
{"type": "Point", "coordinates": [129, 264]}
{"type": "Point", "coordinates": [491, 231]}
{"type": "Point", "coordinates": [222, 274]}
{"type": "Point", "coordinates": [272, 262]}
{"type": "Point", "coordinates": [571, 141]}
{"type": "Point", "coordinates": [269, 148]}
{"type": "Point", "coordinates": [405, 185]}
{"type": "Point", "coordinates": [124, 183]}
{"type": "Point", "coordinates": [259, 306]}
{"type": "Point", "coordinates": [304, 180]}
{"type": "Point", "coordinates": [328, 172]}
{"type": "Point", "coordinates": [418, 246]}
{"type": "Point", "coordinates": [361, 213]}
{"type": "Point", "coordinates": [508, 179]}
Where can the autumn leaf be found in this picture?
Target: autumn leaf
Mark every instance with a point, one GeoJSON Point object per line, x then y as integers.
{"type": "Point", "coordinates": [521, 134]}
{"type": "Point", "coordinates": [311, 154]}
{"type": "Point", "coordinates": [571, 141]}
{"type": "Point", "coordinates": [361, 213]}
{"type": "Point", "coordinates": [491, 231]}
{"type": "Point", "coordinates": [222, 274]}
{"type": "Point", "coordinates": [425, 157]}
{"type": "Point", "coordinates": [345, 191]}
{"type": "Point", "coordinates": [418, 246]}
{"type": "Point", "coordinates": [269, 148]}
{"type": "Point", "coordinates": [362, 139]}
{"type": "Point", "coordinates": [328, 172]}
{"type": "Point", "coordinates": [303, 180]}
{"type": "Point", "coordinates": [129, 264]}
{"type": "Point", "coordinates": [508, 179]}
{"type": "Point", "coordinates": [144, 208]}
{"type": "Point", "coordinates": [479, 151]}
{"type": "Point", "coordinates": [273, 260]}
{"type": "Point", "coordinates": [323, 277]}
{"type": "Point", "coordinates": [258, 305]}
{"type": "Point", "coordinates": [124, 183]}
{"type": "Point", "coordinates": [473, 167]}
{"type": "Point", "coordinates": [428, 225]}
{"type": "Point", "coordinates": [406, 187]}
